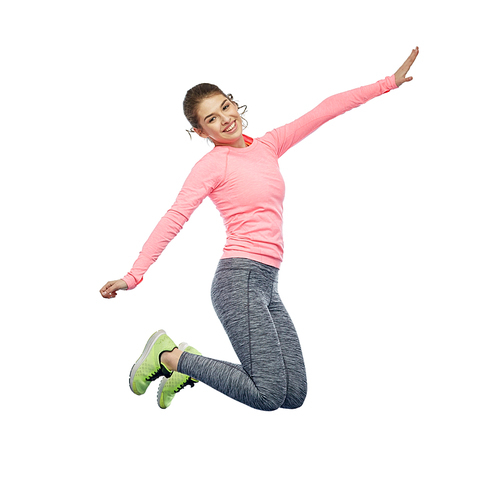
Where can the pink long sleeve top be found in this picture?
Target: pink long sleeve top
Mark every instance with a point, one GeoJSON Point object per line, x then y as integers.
{"type": "Point", "coordinates": [246, 186]}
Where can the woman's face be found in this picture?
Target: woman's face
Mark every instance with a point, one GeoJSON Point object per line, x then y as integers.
{"type": "Point", "coordinates": [219, 119]}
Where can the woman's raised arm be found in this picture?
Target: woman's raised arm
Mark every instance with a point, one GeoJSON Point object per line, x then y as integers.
{"type": "Point", "coordinates": [282, 138]}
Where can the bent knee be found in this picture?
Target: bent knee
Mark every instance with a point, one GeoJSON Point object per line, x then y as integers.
{"type": "Point", "coordinates": [271, 398]}
{"type": "Point", "coordinates": [295, 399]}
{"type": "Point", "coordinates": [270, 404]}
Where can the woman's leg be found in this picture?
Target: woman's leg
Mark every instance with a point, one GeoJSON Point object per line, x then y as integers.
{"type": "Point", "coordinates": [241, 293]}
{"type": "Point", "coordinates": [296, 381]}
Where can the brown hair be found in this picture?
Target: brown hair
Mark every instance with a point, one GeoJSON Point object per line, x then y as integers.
{"type": "Point", "coordinates": [196, 95]}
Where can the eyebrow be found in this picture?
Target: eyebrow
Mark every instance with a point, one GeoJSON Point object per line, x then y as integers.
{"type": "Point", "coordinates": [208, 116]}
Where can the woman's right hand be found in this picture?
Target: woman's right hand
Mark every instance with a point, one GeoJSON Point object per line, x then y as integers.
{"type": "Point", "coordinates": [401, 72]}
{"type": "Point", "coordinates": [109, 290]}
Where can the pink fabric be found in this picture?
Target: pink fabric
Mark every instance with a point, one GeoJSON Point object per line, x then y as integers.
{"type": "Point", "coordinates": [246, 186]}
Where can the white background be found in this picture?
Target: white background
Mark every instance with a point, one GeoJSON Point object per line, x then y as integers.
{"type": "Point", "coordinates": [391, 266]}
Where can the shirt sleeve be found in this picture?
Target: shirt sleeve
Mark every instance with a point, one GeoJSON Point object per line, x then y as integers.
{"type": "Point", "coordinates": [283, 138]}
{"type": "Point", "coordinates": [201, 181]}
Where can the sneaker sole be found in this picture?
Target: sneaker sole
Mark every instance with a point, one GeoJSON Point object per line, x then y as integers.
{"type": "Point", "coordinates": [144, 354]}
{"type": "Point", "coordinates": [160, 390]}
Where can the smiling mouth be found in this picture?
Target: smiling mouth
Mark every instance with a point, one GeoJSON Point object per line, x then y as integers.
{"type": "Point", "coordinates": [231, 127]}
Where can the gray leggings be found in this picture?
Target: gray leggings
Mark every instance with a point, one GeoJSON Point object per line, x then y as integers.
{"type": "Point", "coordinates": [272, 373]}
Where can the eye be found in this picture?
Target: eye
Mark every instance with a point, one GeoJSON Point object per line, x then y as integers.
{"type": "Point", "coordinates": [211, 119]}
{"type": "Point", "coordinates": [225, 107]}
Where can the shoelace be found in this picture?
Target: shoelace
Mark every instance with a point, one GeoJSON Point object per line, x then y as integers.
{"type": "Point", "coordinates": [158, 373]}
{"type": "Point", "coordinates": [154, 375]}
{"type": "Point", "coordinates": [189, 381]}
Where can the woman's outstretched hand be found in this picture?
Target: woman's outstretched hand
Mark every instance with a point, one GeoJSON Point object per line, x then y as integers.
{"type": "Point", "coordinates": [401, 72]}
{"type": "Point", "coordinates": [109, 290]}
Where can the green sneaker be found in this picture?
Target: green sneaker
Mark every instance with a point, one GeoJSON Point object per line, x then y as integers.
{"type": "Point", "coordinates": [148, 367]}
{"type": "Point", "coordinates": [169, 387]}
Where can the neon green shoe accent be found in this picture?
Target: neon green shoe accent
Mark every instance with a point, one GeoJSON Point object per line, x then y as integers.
{"type": "Point", "coordinates": [148, 367]}
{"type": "Point", "coordinates": [169, 387]}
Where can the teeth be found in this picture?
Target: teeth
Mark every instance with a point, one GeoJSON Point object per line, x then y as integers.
{"type": "Point", "coordinates": [231, 127]}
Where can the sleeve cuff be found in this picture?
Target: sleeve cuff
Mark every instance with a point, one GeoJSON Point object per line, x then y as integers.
{"type": "Point", "coordinates": [131, 281]}
{"type": "Point", "coordinates": [392, 80]}
{"type": "Point", "coordinates": [389, 83]}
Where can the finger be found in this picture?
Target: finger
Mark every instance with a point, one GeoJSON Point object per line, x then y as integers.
{"type": "Point", "coordinates": [111, 290]}
{"type": "Point", "coordinates": [107, 285]}
{"type": "Point", "coordinates": [407, 65]}
{"type": "Point", "coordinates": [107, 289]}
{"type": "Point", "coordinates": [412, 57]}
{"type": "Point", "coordinates": [109, 295]}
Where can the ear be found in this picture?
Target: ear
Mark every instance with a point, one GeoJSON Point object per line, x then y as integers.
{"type": "Point", "coordinates": [200, 132]}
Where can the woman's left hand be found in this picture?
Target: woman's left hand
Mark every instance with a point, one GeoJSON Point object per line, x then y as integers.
{"type": "Point", "coordinates": [401, 72]}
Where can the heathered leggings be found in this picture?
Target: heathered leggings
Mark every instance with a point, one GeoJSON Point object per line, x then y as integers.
{"type": "Point", "coordinates": [272, 373]}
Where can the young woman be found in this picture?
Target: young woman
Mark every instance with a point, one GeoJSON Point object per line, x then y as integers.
{"type": "Point", "coordinates": [241, 176]}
